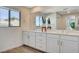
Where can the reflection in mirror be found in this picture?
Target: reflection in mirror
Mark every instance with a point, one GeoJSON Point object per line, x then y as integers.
{"type": "Point", "coordinates": [71, 23]}
{"type": "Point", "coordinates": [49, 23]}
{"type": "Point", "coordinates": [38, 21]}
{"type": "Point", "coordinates": [46, 22]}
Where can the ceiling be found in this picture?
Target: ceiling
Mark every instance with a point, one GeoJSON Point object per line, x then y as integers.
{"type": "Point", "coordinates": [29, 6]}
{"type": "Point", "coordinates": [54, 9]}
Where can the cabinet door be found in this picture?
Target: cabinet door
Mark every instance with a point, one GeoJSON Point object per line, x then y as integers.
{"type": "Point", "coordinates": [32, 39]}
{"type": "Point", "coordinates": [26, 38]}
{"type": "Point", "coordinates": [52, 45]}
{"type": "Point", "coordinates": [69, 46]}
{"type": "Point", "coordinates": [41, 43]}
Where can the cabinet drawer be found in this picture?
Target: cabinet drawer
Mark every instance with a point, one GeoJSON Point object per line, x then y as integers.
{"type": "Point", "coordinates": [52, 36]}
{"type": "Point", "coordinates": [32, 33]}
{"type": "Point", "coordinates": [41, 34]}
{"type": "Point", "coordinates": [41, 39]}
{"type": "Point", "coordinates": [40, 42]}
{"type": "Point", "coordinates": [73, 38]}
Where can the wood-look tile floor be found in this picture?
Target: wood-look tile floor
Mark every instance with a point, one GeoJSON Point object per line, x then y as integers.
{"type": "Point", "coordinates": [23, 49]}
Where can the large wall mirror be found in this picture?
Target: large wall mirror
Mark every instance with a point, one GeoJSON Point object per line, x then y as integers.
{"type": "Point", "coordinates": [45, 21]}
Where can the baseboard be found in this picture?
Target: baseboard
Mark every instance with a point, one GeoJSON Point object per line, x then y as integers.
{"type": "Point", "coordinates": [7, 49]}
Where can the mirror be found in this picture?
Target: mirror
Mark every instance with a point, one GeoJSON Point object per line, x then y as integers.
{"type": "Point", "coordinates": [55, 21]}
{"type": "Point", "coordinates": [46, 21]}
{"type": "Point", "coordinates": [71, 22]}
{"type": "Point", "coordinates": [40, 22]}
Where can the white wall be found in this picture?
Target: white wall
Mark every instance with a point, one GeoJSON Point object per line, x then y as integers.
{"type": "Point", "coordinates": [11, 37]}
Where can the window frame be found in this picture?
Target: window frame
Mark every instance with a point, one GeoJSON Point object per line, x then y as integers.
{"type": "Point", "coordinates": [19, 18]}
{"type": "Point", "coordinates": [9, 15]}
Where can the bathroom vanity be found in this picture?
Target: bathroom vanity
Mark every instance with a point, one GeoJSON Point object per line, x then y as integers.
{"type": "Point", "coordinates": [57, 41]}
{"type": "Point", "coordinates": [61, 34]}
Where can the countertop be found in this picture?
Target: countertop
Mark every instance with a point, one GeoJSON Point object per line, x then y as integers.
{"type": "Point", "coordinates": [64, 32]}
{"type": "Point", "coordinates": [60, 32]}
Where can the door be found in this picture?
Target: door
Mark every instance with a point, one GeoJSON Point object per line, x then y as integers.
{"type": "Point", "coordinates": [52, 45]}
{"type": "Point", "coordinates": [26, 38]}
{"type": "Point", "coordinates": [69, 46]}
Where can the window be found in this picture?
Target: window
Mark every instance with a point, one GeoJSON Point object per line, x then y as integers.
{"type": "Point", "coordinates": [9, 17]}
{"type": "Point", "coordinates": [39, 21]}
{"type": "Point", "coordinates": [14, 18]}
{"type": "Point", "coordinates": [4, 17]}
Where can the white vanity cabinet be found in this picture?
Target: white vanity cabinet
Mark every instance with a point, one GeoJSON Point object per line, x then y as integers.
{"type": "Point", "coordinates": [69, 44]}
{"type": "Point", "coordinates": [29, 39]}
{"type": "Point", "coordinates": [52, 43]}
{"type": "Point", "coordinates": [25, 38]}
{"type": "Point", "coordinates": [41, 41]}
{"type": "Point", "coordinates": [32, 39]}
{"type": "Point", "coordinates": [62, 43]}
